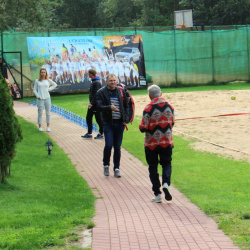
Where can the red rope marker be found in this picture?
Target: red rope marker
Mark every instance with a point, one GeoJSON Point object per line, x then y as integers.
{"type": "Point", "coordinates": [213, 116]}
{"type": "Point", "coordinates": [218, 145]}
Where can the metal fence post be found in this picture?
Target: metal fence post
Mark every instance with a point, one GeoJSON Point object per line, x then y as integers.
{"type": "Point", "coordinates": [248, 56]}
{"type": "Point", "coordinates": [175, 58]}
{"type": "Point", "coordinates": [2, 42]}
{"type": "Point", "coordinates": [1, 70]}
{"type": "Point", "coordinates": [212, 51]}
{"type": "Point", "coordinates": [21, 64]}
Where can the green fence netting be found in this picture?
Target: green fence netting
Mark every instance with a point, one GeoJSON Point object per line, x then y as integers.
{"type": "Point", "coordinates": [172, 56]}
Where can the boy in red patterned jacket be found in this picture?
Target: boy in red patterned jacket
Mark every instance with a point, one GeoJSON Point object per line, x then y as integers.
{"type": "Point", "coordinates": [157, 122]}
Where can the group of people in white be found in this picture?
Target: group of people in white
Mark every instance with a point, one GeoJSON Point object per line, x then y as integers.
{"type": "Point", "coordinates": [71, 66]}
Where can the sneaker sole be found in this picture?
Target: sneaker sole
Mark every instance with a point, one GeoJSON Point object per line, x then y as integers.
{"type": "Point", "coordinates": [98, 138]}
{"type": "Point", "coordinates": [106, 173]}
{"type": "Point", "coordinates": [159, 201]}
{"type": "Point", "coordinates": [168, 196]}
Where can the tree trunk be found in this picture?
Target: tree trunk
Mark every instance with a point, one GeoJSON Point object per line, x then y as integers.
{"type": "Point", "coordinates": [2, 173]}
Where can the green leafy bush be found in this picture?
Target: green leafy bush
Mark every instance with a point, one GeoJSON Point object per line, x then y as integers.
{"type": "Point", "coordinates": [10, 130]}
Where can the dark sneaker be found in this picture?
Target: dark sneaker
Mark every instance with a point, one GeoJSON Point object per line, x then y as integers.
{"type": "Point", "coordinates": [99, 136]}
{"type": "Point", "coordinates": [106, 170]}
{"type": "Point", "coordinates": [87, 136]}
{"type": "Point", "coordinates": [166, 190]}
{"type": "Point", "coordinates": [157, 198]}
{"type": "Point", "coordinates": [117, 173]}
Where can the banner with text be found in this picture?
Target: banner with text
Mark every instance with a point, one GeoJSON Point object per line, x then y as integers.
{"type": "Point", "coordinates": [68, 59]}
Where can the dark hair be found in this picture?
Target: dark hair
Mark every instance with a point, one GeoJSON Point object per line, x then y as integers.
{"type": "Point", "coordinates": [92, 72]}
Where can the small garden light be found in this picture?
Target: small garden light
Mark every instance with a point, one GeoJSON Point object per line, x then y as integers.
{"type": "Point", "coordinates": [49, 146]}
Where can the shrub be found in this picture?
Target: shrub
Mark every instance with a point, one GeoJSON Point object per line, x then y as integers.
{"type": "Point", "coordinates": [10, 130]}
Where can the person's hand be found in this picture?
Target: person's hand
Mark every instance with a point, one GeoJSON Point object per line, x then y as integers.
{"type": "Point", "coordinates": [90, 105]}
{"type": "Point", "coordinates": [113, 108]}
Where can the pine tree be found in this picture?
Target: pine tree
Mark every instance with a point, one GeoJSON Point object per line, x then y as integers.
{"type": "Point", "coordinates": [10, 130]}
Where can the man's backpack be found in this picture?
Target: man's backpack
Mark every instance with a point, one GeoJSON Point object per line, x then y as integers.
{"type": "Point", "coordinates": [131, 103]}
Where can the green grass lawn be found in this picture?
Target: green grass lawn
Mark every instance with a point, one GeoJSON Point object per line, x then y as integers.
{"type": "Point", "coordinates": [220, 187]}
{"type": "Point", "coordinates": [44, 200]}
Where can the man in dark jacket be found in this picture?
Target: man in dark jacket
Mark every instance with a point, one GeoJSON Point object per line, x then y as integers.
{"type": "Point", "coordinates": [92, 108]}
{"type": "Point", "coordinates": [113, 105]}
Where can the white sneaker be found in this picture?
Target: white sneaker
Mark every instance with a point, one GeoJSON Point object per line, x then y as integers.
{"type": "Point", "coordinates": [157, 199]}
{"type": "Point", "coordinates": [48, 129]}
{"type": "Point", "coordinates": [40, 129]}
{"type": "Point", "coordinates": [166, 190]}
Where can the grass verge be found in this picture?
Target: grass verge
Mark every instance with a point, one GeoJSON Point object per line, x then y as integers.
{"type": "Point", "coordinates": [220, 187]}
{"type": "Point", "coordinates": [45, 199]}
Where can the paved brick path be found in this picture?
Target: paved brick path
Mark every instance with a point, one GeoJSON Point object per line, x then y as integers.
{"type": "Point", "coordinates": [125, 216]}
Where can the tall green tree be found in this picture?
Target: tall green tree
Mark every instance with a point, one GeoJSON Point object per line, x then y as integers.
{"type": "Point", "coordinates": [158, 13]}
{"type": "Point", "coordinates": [116, 13]}
{"type": "Point", "coordinates": [222, 12]}
{"type": "Point", "coordinates": [10, 130]}
{"type": "Point", "coordinates": [28, 15]}
{"type": "Point", "coordinates": [78, 13]}
{"type": "Point", "coordinates": [231, 12]}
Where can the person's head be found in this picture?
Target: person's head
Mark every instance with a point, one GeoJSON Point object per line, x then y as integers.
{"type": "Point", "coordinates": [154, 91]}
{"type": "Point", "coordinates": [92, 73]}
{"type": "Point", "coordinates": [43, 74]}
{"type": "Point", "coordinates": [111, 81]}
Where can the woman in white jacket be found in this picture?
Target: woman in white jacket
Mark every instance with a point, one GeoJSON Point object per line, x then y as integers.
{"type": "Point", "coordinates": [41, 90]}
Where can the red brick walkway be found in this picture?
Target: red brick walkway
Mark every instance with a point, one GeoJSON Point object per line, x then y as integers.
{"type": "Point", "coordinates": [125, 216]}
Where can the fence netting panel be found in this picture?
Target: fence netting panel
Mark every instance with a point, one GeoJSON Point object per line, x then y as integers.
{"type": "Point", "coordinates": [171, 56]}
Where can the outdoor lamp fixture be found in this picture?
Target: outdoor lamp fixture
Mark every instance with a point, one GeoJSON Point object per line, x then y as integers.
{"type": "Point", "coordinates": [49, 146]}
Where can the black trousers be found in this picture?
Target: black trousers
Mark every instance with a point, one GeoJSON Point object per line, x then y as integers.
{"type": "Point", "coordinates": [89, 119]}
{"type": "Point", "coordinates": [164, 157]}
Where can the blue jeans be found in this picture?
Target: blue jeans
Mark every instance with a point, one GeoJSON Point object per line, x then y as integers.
{"type": "Point", "coordinates": [113, 138]}
{"type": "Point", "coordinates": [43, 103]}
{"type": "Point", "coordinates": [164, 157]}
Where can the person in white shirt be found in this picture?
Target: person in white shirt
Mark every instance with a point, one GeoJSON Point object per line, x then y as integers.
{"type": "Point", "coordinates": [41, 90]}
{"type": "Point", "coordinates": [127, 70]}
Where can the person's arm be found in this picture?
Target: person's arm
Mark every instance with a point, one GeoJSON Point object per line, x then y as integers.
{"type": "Point", "coordinates": [100, 102]}
{"type": "Point", "coordinates": [173, 116]}
{"type": "Point", "coordinates": [173, 119]}
{"type": "Point", "coordinates": [144, 123]}
{"type": "Point", "coordinates": [52, 85]}
{"type": "Point", "coordinates": [35, 89]}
